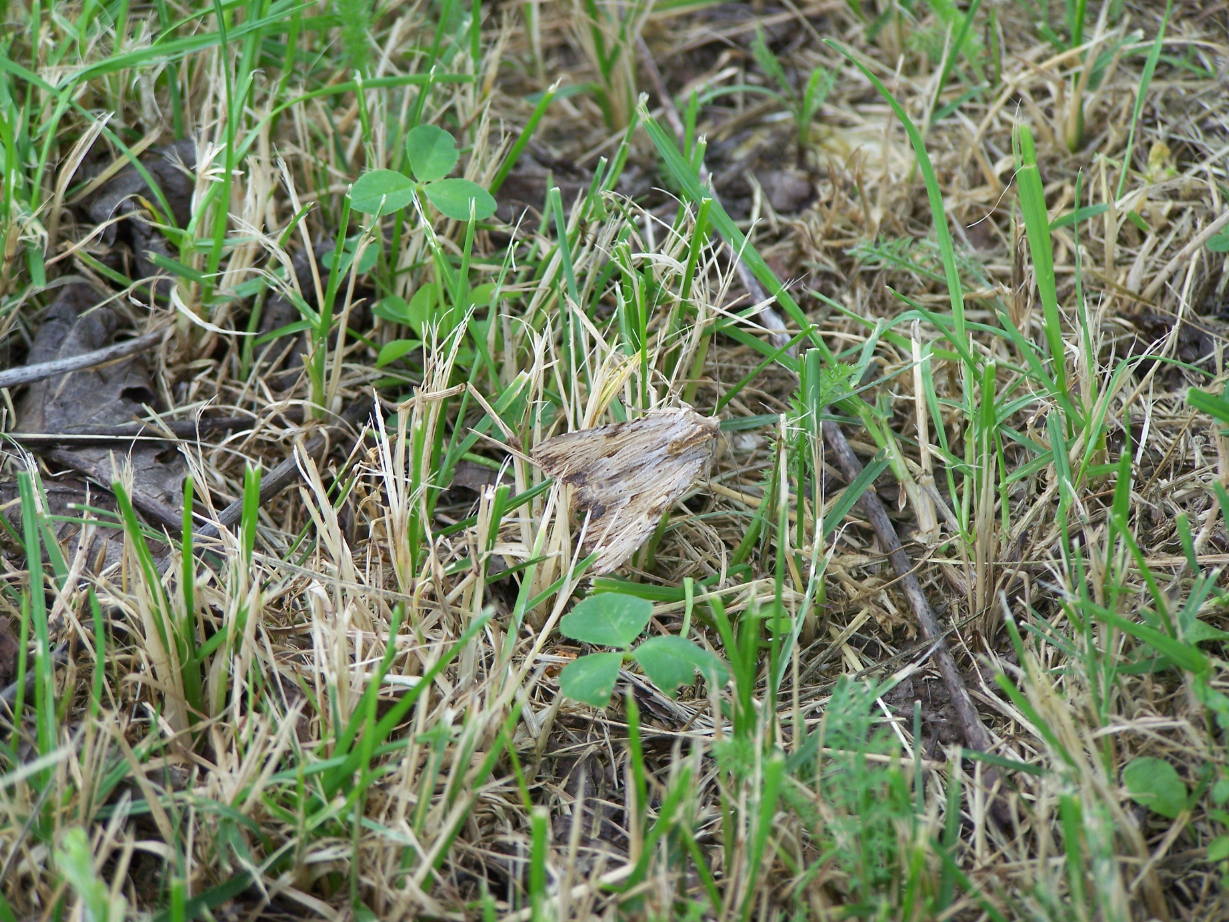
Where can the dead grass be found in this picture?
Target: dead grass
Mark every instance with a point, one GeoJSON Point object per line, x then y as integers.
{"type": "Point", "coordinates": [347, 702]}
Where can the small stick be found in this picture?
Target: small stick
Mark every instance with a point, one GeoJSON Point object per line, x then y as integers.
{"type": "Point", "coordinates": [284, 473]}
{"type": "Point", "coordinates": [91, 469]}
{"type": "Point", "coordinates": [768, 317]}
{"type": "Point", "coordinates": [170, 430]}
{"type": "Point", "coordinates": [170, 519]}
{"type": "Point", "coordinates": [974, 733]}
{"type": "Point", "coordinates": [1183, 256]}
{"type": "Point", "coordinates": [27, 374]}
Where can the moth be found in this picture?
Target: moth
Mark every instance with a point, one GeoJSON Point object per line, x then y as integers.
{"type": "Point", "coordinates": [626, 475]}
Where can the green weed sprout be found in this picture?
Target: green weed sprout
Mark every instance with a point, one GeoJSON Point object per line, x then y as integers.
{"type": "Point", "coordinates": [433, 155]}
{"type": "Point", "coordinates": [614, 619]}
{"type": "Point", "coordinates": [802, 105]}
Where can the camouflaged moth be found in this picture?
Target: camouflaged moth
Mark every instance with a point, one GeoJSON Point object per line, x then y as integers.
{"type": "Point", "coordinates": [626, 475]}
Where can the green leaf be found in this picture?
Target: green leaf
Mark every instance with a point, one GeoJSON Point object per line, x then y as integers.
{"type": "Point", "coordinates": [768, 62]}
{"type": "Point", "coordinates": [75, 861]}
{"type": "Point", "coordinates": [367, 259]}
{"type": "Point", "coordinates": [486, 294]}
{"type": "Point", "coordinates": [381, 192]}
{"type": "Point", "coordinates": [1201, 631]}
{"type": "Point", "coordinates": [1218, 848]}
{"type": "Point", "coordinates": [1183, 655]}
{"type": "Point", "coordinates": [394, 350]}
{"type": "Point", "coordinates": [365, 263]}
{"type": "Point", "coordinates": [456, 197]}
{"type": "Point", "coordinates": [423, 304]}
{"type": "Point", "coordinates": [394, 309]}
{"type": "Point", "coordinates": [819, 85]}
{"type": "Point", "coordinates": [825, 382]}
{"type": "Point", "coordinates": [1215, 405]}
{"type": "Point", "coordinates": [1219, 243]}
{"type": "Point", "coordinates": [432, 151]}
{"type": "Point", "coordinates": [673, 661]}
{"type": "Point", "coordinates": [175, 267]}
{"type": "Point", "coordinates": [1071, 218]}
{"type": "Point", "coordinates": [1154, 783]}
{"type": "Point", "coordinates": [610, 619]}
{"type": "Point", "coordinates": [1220, 791]}
{"type": "Point", "coordinates": [590, 679]}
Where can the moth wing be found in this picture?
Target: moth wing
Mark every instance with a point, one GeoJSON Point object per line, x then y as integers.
{"type": "Point", "coordinates": [626, 475]}
{"type": "Point", "coordinates": [623, 512]}
{"type": "Point", "coordinates": [562, 455]}
{"type": "Point", "coordinates": [617, 534]}
{"type": "Point", "coordinates": [601, 454]}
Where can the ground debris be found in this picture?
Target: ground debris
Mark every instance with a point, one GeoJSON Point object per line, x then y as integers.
{"type": "Point", "coordinates": [78, 321]}
{"type": "Point", "coordinates": [129, 210]}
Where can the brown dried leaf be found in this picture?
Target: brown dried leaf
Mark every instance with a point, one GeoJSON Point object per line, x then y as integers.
{"type": "Point", "coordinates": [123, 206]}
{"type": "Point", "coordinates": [9, 648]}
{"type": "Point", "coordinates": [108, 395]}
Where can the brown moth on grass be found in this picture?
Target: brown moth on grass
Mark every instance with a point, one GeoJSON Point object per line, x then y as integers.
{"type": "Point", "coordinates": [626, 475]}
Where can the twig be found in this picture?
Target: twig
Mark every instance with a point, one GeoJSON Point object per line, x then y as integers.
{"type": "Point", "coordinates": [27, 374]}
{"type": "Point", "coordinates": [975, 735]}
{"type": "Point", "coordinates": [284, 473]}
{"type": "Point", "coordinates": [1183, 256]}
{"type": "Point", "coordinates": [168, 518]}
{"type": "Point", "coordinates": [767, 317]}
{"type": "Point", "coordinates": [91, 469]}
{"type": "Point", "coordinates": [159, 431]}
